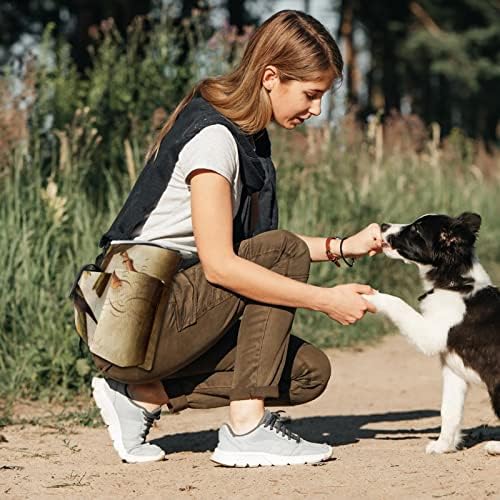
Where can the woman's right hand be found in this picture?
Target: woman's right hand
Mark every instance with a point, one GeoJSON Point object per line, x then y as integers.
{"type": "Point", "coordinates": [344, 303]}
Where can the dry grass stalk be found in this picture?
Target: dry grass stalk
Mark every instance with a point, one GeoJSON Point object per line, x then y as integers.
{"type": "Point", "coordinates": [129, 158]}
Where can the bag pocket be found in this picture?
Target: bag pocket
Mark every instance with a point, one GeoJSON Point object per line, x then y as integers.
{"type": "Point", "coordinates": [126, 319]}
{"type": "Point", "coordinates": [120, 306]}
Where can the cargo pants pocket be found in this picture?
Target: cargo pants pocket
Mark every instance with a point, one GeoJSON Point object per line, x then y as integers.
{"type": "Point", "coordinates": [186, 299]}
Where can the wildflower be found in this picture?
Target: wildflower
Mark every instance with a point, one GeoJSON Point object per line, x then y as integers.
{"type": "Point", "coordinates": [56, 203]}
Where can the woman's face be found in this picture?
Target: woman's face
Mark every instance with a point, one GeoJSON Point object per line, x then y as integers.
{"type": "Point", "coordinates": [294, 101]}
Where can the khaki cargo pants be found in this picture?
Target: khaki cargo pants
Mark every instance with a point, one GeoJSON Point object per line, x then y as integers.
{"type": "Point", "coordinates": [216, 346]}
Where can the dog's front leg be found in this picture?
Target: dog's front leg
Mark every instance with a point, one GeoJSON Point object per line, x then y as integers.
{"type": "Point", "coordinates": [413, 325]}
{"type": "Point", "coordinates": [452, 408]}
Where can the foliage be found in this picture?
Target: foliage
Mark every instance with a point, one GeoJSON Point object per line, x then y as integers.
{"type": "Point", "coordinates": [438, 56]}
{"type": "Point", "coordinates": [452, 53]}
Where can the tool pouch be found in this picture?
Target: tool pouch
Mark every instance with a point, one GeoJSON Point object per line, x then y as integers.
{"type": "Point", "coordinates": [119, 304]}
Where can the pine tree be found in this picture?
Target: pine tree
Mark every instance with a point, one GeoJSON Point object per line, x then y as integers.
{"type": "Point", "coordinates": [452, 62]}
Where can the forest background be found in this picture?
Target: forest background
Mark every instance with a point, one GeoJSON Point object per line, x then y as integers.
{"type": "Point", "coordinates": [85, 86]}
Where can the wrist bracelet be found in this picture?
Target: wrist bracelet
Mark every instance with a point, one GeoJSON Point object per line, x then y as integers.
{"type": "Point", "coordinates": [350, 264]}
{"type": "Point", "coordinates": [334, 259]}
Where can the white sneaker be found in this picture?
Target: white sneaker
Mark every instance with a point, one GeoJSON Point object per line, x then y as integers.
{"type": "Point", "coordinates": [128, 424]}
{"type": "Point", "coordinates": [270, 443]}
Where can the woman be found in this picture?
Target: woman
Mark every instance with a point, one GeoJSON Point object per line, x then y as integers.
{"type": "Point", "coordinates": [208, 191]}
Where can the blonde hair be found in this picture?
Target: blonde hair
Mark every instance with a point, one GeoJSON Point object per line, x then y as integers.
{"type": "Point", "coordinates": [300, 48]}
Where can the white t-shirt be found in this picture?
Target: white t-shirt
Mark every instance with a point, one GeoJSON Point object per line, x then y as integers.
{"type": "Point", "coordinates": [170, 224]}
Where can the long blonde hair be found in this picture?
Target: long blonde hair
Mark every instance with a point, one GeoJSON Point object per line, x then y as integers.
{"type": "Point", "coordinates": [300, 48]}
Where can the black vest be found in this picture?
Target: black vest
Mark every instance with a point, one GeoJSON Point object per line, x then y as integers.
{"type": "Point", "coordinates": [257, 174]}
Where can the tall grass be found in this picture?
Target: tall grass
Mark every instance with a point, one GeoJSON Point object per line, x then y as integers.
{"type": "Point", "coordinates": [67, 170]}
{"type": "Point", "coordinates": [49, 230]}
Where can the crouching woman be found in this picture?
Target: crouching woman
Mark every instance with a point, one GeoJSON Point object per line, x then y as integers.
{"type": "Point", "coordinates": [208, 192]}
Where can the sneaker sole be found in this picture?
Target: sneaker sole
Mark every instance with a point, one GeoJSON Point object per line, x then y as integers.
{"type": "Point", "coordinates": [108, 414]}
{"type": "Point", "coordinates": [256, 459]}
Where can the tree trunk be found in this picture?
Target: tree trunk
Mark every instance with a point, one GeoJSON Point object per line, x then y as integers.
{"type": "Point", "coordinates": [444, 105]}
{"type": "Point", "coordinates": [350, 56]}
{"type": "Point", "coordinates": [390, 78]}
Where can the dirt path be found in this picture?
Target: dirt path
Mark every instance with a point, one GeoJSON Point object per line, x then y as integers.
{"type": "Point", "coordinates": [379, 411]}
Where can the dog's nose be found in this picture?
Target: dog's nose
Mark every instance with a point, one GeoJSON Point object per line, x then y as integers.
{"type": "Point", "coordinates": [384, 226]}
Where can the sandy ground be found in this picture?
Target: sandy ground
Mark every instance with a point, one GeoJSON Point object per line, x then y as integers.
{"type": "Point", "coordinates": [379, 411]}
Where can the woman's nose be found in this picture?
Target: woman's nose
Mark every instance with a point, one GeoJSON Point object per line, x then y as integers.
{"type": "Point", "coordinates": [315, 108]}
{"type": "Point", "coordinates": [384, 226]}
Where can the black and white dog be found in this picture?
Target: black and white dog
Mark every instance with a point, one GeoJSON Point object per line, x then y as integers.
{"type": "Point", "coordinates": [460, 312]}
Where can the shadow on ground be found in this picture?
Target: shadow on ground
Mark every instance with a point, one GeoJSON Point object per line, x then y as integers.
{"type": "Point", "coordinates": [336, 430]}
{"type": "Point", "coordinates": [480, 434]}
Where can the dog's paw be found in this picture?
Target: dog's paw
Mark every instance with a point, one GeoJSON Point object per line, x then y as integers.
{"type": "Point", "coordinates": [377, 299]}
{"type": "Point", "coordinates": [458, 440]}
{"type": "Point", "coordinates": [439, 447]}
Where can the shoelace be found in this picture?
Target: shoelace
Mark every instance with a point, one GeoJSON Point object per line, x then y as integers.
{"type": "Point", "coordinates": [149, 419]}
{"type": "Point", "coordinates": [279, 426]}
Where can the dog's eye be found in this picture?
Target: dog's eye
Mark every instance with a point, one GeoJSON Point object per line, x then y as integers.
{"type": "Point", "coordinates": [416, 229]}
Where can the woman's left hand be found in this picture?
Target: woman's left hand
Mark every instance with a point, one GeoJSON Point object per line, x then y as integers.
{"type": "Point", "coordinates": [367, 242]}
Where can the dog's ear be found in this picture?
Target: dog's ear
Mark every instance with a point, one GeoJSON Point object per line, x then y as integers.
{"type": "Point", "coordinates": [448, 238]}
{"type": "Point", "coordinates": [471, 221]}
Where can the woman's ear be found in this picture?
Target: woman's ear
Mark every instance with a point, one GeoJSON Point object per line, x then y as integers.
{"type": "Point", "coordinates": [270, 78]}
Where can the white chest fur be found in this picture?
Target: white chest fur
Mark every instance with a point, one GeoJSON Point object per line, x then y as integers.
{"type": "Point", "coordinates": [428, 330]}
{"type": "Point", "coordinates": [443, 309]}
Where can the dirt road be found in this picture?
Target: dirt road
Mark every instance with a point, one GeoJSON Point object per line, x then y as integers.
{"type": "Point", "coordinates": [379, 411]}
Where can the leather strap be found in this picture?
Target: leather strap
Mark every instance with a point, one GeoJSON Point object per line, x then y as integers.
{"type": "Point", "coordinates": [334, 259]}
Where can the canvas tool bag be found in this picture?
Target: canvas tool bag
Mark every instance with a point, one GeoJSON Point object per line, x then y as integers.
{"type": "Point", "coordinates": [119, 304]}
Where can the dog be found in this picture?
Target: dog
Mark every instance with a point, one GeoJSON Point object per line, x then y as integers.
{"type": "Point", "coordinates": [460, 312]}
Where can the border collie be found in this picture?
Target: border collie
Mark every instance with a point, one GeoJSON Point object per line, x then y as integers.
{"type": "Point", "coordinates": [460, 312]}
